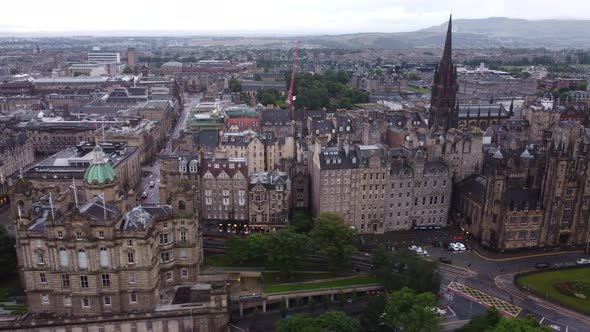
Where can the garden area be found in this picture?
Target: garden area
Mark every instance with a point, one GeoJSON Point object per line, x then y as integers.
{"type": "Point", "coordinates": [570, 287]}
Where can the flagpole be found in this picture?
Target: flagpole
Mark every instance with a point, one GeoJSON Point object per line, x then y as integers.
{"type": "Point", "coordinates": [75, 192]}
{"type": "Point", "coordinates": [51, 205]}
{"type": "Point", "coordinates": [104, 207]}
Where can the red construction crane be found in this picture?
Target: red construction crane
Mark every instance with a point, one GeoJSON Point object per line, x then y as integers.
{"type": "Point", "coordinates": [290, 97]}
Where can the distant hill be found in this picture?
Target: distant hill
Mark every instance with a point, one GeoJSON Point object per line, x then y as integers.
{"type": "Point", "coordinates": [475, 33]}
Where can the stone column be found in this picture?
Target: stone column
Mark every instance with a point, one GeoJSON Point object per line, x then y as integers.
{"type": "Point", "coordinates": [287, 303]}
{"type": "Point", "coordinates": [263, 305]}
{"type": "Point", "coordinates": [331, 297]}
{"type": "Point", "coordinates": [241, 309]}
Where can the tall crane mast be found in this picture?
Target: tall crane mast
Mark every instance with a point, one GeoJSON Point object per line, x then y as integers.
{"type": "Point", "coordinates": [290, 97]}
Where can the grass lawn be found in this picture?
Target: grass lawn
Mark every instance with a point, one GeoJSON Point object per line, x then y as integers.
{"type": "Point", "coordinates": [222, 261]}
{"type": "Point", "coordinates": [542, 285]}
{"type": "Point", "coordinates": [348, 282]}
{"type": "Point", "coordinates": [418, 90]}
{"type": "Point", "coordinates": [272, 278]}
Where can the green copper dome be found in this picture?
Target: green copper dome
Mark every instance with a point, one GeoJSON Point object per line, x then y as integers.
{"type": "Point", "coordinates": [100, 172]}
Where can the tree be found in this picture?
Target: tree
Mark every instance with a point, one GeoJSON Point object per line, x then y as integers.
{"type": "Point", "coordinates": [370, 319]}
{"type": "Point", "coordinates": [285, 250]}
{"type": "Point", "coordinates": [484, 322]}
{"type": "Point", "coordinates": [235, 85]}
{"type": "Point", "coordinates": [270, 96]}
{"type": "Point", "coordinates": [300, 223]}
{"type": "Point", "coordinates": [582, 86]}
{"type": "Point", "coordinates": [257, 77]}
{"type": "Point", "coordinates": [256, 247]}
{"type": "Point", "coordinates": [127, 70]}
{"type": "Point", "coordinates": [334, 240]}
{"type": "Point", "coordinates": [405, 269]}
{"type": "Point", "coordinates": [7, 254]}
{"type": "Point", "coordinates": [250, 249]}
{"type": "Point", "coordinates": [332, 321]}
{"type": "Point", "coordinates": [235, 247]}
{"type": "Point", "coordinates": [411, 312]}
{"type": "Point", "coordinates": [527, 324]}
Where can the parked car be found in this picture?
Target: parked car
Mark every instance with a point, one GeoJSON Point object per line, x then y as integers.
{"type": "Point", "coordinates": [144, 195]}
{"type": "Point", "coordinates": [453, 247]}
{"type": "Point", "coordinates": [582, 261]}
{"type": "Point", "coordinates": [439, 311]}
{"type": "Point", "coordinates": [542, 265]}
{"type": "Point", "coordinates": [445, 260]}
{"type": "Point", "coordinates": [461, 246]}
{"type": "Point", "coordinates": [152, 184]}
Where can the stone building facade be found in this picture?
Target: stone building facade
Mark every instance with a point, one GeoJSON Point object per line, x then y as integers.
{"type": "Point", "coordinates": [87, 252]}
{"type": "Point", "coordinates": [269, 197]}
{"type": "Point", "coordinates": [16, 152]}
{"type": "Point", "coordinates": [224, 193]}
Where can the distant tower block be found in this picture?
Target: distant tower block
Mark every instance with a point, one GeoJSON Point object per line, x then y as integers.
{"type": "Point", "coordinates": [131, 57]}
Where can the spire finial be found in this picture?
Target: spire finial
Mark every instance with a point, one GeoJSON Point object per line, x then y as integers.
{"type": "Point", "coordinates": [447, 55]}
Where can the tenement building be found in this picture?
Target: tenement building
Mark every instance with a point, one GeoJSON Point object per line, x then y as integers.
{"type": "Point", "coordinates": [269, 198]}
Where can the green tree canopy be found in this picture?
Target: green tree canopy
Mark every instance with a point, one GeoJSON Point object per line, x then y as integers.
{"type": "Point", "coordinates": [371, 317]}
{"type": "Point", "coordinates": [405, 269]}
{"type": "Point", "coordinates": [484, 322]}
{"type": "Point", "coordinates": [407, 311]}
{"type": "Point", "coordinates": [235, 85]}
{"type": "Point", "coordinates": [334, 240]}
{"type": "Point", "coordinates": [250, 249]}
{"type": "Point", "coordinates": [301, 222]}
{"type": "Point", "coordinates": [285, 250]}
{"type": "Point", "coordinates": [527, 324]}
{"type": "Point", "coordinates": [331, 321]}
{"type": "Point", "coordinates": [271, 96]}
{"type": "Point", "coordinates": [127, 70]}
{"type": "Point", "coordinates": [7, 254]}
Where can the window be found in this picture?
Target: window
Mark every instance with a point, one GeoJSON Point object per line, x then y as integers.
{"type": "Point", "coordinates": [84, 281]}
{"type": "Point", "coordinates": [164, 238]}
{"type": "Point", "coordinates": [165, 257]}
{"type": "Point", "coordinates": [132, 298]}
{"type": "Point", "coordinates": [43, 278]}
{"type": "Point", "coordinates": [106, 280]}
{"type": "Point", "coordinates": [524, 220]}
{"type": "Point", "coordinates": [169, 276]}
{"type": "Point", "coordinates": [104, 257]}
{"type": "Point", "coordinates": [184, 273]}
{"type": "Point", "coordinates": [130, 258]}
{"type": "Point", "coordinates": [131, 278]}
{"type": "Point", "coordinates": [181, 205]}
{"type": "Point", "coordinates": [60, 234]}
{"type": "Point", "coordinates": [100, 234]}
{"type": "Point", "coordinates": [129, 243]}
{"type": "Point", "coordinates": [183, 236]}
{"type": "Point", "coordinates": [165, 224]}
{"type": "Point", "coordinates": [522, 235]}
{"type": "Point", "coordinates": [85, 303]}
{"type": "Point", "coordinates": [44, 299]}
{"type": "Point", "coordinates": [40, 258]}
{"type": "Point", "coordinates": [107, 300]}
{"type": "Point", "coordinates": [63, 257]}
{"type": "Point", "coordinates": [67, 301]}
{"type": "Point", "coordinates": [82, 259]}
{"type": "Point", "coordinates": [183, 254]}
{"type": "Point", "coordinates": [65, 281]}
{"type": "Point", "coordinates": [182, 223]}
{"type": "Point", "coordinates": [78, 235]}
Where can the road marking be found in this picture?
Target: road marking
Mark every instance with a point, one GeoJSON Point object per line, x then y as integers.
{"type": "Point", "coordinates": [485, 299]}
{"type": "Point", "coordinates": [554, 323]}
{"type": "Point", "coordinates": [454, 314]}
{"type": "Point", "coordinates": [524, 257]}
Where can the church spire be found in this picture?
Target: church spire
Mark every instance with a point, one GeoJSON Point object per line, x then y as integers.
{"type": "Point", "coordinates": [447, 53]}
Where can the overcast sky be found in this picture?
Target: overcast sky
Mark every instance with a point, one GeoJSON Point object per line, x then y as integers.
{"type": "Point", "coordinates": [267, 16]}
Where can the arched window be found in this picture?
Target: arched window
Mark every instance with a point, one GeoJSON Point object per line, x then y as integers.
{"type": "Point", "coordinates": [104, 257]}
{"type": "Point", "coordinates": [82, 259]}
{"type": "Point", "coordinates": [181, 205]}
{"type": "Point", "coordinates": [64, 260]}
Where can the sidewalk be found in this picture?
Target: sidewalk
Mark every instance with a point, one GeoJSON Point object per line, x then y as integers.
{"type": "Point", "coordinates": [505, 282]}
{"type": "Point", "coordinates": [488, 254]}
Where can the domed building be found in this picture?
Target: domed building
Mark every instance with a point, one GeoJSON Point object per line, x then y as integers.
{"type": "Point", "coordinates": [100, 178]}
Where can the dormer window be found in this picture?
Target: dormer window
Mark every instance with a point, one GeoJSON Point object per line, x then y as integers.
{"type": "Point", "coordinates": [354, 160]}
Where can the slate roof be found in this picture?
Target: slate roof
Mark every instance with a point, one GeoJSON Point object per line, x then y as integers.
{"type": "Point", "coordinates": [228, 165]}
{"type": "Point", "coordinates": [321, 127]}
{"type": "Point", "coordinates": [269, 179]}
{"type": "Point", "coordinates": [208, 138]}
{"type": "Point", "coordinates": [275, 117]}
{"type": "Point", "coordinates": [336, 158]}
{"type": "Point", "coordinates": [474, 187]}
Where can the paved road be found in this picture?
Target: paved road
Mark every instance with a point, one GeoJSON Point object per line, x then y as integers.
{"type": "Point", "coordinates": [484, 281]}
{"type": "Point", "coordinates": [192, 101]}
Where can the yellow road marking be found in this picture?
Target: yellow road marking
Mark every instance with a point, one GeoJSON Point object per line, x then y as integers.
{"type": "Point", "coordinates": [486, 299]}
